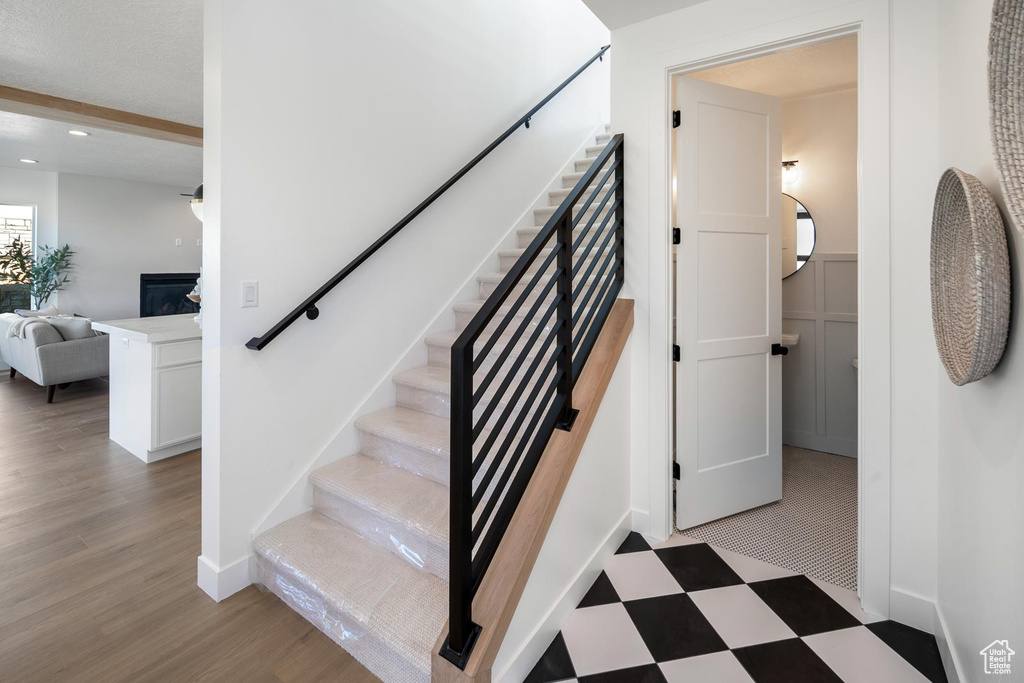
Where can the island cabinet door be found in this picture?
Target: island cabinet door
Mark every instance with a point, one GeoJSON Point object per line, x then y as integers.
{"type": "Point", "coordinates": [177, 393]}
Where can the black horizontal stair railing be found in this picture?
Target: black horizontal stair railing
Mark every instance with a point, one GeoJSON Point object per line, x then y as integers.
{"type": "Point", "coordinates": [513, 372]}
{"type": "Point", "coordinates": [309, 308]}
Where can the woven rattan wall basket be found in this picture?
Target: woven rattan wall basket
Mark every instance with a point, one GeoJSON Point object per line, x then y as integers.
{"type": "Point", "coordinates": [1006, 101]}
{"type": "Point", "coordinates": [970, 278]}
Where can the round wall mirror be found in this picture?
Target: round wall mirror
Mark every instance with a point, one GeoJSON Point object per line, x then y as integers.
{"type": "Point", "coordinates": [797, 235]}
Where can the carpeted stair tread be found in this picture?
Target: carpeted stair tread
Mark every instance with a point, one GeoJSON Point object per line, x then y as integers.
{"type": "Point", "coordinates": [382, 610]}
{"type": "Point", "coordinates": [409, 427]}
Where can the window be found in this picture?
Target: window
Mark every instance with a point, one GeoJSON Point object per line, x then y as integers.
{"type": "Point", "coordinates": [16, 223]}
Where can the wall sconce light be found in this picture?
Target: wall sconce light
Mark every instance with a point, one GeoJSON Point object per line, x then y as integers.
{"type": "Point", "coordinates": [197, 203]}
{"type": "Point", "coordinates": [790, 173]}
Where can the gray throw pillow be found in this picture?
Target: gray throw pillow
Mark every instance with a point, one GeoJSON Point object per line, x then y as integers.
{"type": "Point", "coordinates": [72, 327]}
{"type": "Point", "coordinates": [49, 310]}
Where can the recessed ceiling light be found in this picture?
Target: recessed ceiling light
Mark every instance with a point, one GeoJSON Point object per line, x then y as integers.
{"type": "Point", "coordinates": [79, 133]}
{"type": "Point", "coordinates": [28, 161]}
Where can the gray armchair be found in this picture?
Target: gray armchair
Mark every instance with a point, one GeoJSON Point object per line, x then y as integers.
{"type": "Point", "coordinates": [45, 358]}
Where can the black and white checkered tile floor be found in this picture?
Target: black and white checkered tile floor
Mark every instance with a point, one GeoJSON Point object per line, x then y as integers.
{"type": "Point", "coordinates": [683, 611]}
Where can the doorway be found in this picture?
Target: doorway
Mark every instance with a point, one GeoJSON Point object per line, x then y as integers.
{"type": "Point", "coordinates": [765, 179]}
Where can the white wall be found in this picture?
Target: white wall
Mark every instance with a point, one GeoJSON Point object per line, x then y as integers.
{"type": "Point", "coordinates": [899, 41]}
{"type": "Point", "coordinates": [372, 105]}
{"type": "Point", "coordinates": [821, 132]}
{"type": "Point", "coordinates": [981, 445]}
{"type": "Point", "coordinates": [120, 229]}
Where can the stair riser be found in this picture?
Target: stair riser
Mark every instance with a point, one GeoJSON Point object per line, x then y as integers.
{"type": "Point", "coordinates": [583, 164]}
{"type": "Point", "coordinates": [527, 236]}
{"type": "Point", "coordinates": [542, 216]}
{"type": "Point", "coordinates": [600, 272]}
{"type": "Point", "coordinates": [398, 538]}
{"type": "Point", "coordinates": [343, 628]}
{"type": "Point", "coordinates": [505, 263]}
{"type": "Point", "coordinates": [462, 319]}
{"type": "Point", "coordinates": [556, 197]}
{"type": "Point", "coordinates": [604, 138]}
{"type": "Point", "coordinates": [570, 181]}
{"type": "Point", "coordinates": [439, 402]}
{"type": "Point", "coordinates": [432, 465]}
{"type": "Point", "coordinates": [441, 356]}
{"type": "Point", "coordinates": [487, 288]}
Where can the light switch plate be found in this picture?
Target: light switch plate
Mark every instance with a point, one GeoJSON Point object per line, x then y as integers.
{"type": "Point", "coordinates": [177, 241]}
{"type": "Point", "coordinates": [250, 293]}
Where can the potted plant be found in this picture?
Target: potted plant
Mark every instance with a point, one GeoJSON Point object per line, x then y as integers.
{"type": "Point", "coordinates": [42, 275]}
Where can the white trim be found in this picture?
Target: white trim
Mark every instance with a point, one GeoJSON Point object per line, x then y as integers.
{"type": "Point", "coordinates": [869, 20]}
{"type": "Point", "coordinates": [189, 443]}
{"type": "Point", "coordinates": [530, 652]}
{"type": "Point", "coordinates": [640, 521]}
{"type": "Point", "coordinates": [222, 583]}
{"type": "Point", "coordinates": [912, 609]}
{"type": "Point", "coordinates": [816, 442]}
{"type": "Point", "coordinates": [950, 662]}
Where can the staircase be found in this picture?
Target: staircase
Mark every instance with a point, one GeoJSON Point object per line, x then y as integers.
{"type": "Point", "coordinates": [368, 565]}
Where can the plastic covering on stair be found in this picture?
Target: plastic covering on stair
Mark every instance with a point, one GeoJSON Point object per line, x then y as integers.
{"type": "Point", "coordinates": [349, 589]}
{"type": "Point", "coordinates": [392, 536]}
{"type": "Point", "coordinates": [432, 464]}
{"type": "Point", "coordinates": [423, 399]}
{"type": "Point", "coordinates": [412, 440]}
{"type": "Point", "coordinates": [424, 545]}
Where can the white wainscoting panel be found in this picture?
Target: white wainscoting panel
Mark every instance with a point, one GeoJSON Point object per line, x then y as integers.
{"type": "Point", "coordinates": [819, 381]}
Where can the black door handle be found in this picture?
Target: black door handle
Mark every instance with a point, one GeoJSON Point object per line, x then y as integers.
{"type": "Point", "coordinates": [779, 350]}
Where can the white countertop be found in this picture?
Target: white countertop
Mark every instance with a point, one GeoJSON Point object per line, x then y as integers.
{"type": "Point", "coordinates": [159, 328]}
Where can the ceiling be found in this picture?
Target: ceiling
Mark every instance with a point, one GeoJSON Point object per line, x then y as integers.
{"type": "Point", "coordinates": [140, 56]}
{"type": "Point", "coordinates": [103, 153]}
{"type": "Point", "coordinates": [618, 13]}
{"type": "Point", "coordinates": [799, 72]}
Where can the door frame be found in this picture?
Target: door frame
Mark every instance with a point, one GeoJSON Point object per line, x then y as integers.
{"type": "Point", "coordinates": [869, 20]}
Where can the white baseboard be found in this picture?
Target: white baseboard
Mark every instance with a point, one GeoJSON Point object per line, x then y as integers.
{"type": "Point", "coordinates": [816, 442]}
{"type": "Point", "coordinates": [912, 609]}
{"type": "Point", "coordinates": [641, 522]}
{"type": "Point", "coordinates": [170, 451]}
{"type": "Point", "coordinates": [222, 583]}
{"type": "Point", "coordinates": [530, 652]}
{"type": "Point", "coordinates": [954, 671]}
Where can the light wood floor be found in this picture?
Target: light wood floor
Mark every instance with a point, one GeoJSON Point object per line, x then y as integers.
{"type": "Point", "coordinates": [98, 563]}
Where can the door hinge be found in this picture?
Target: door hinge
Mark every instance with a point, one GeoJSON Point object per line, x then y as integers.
{"type": "Point", "coordinates": [675, 352]}
{"type": "Point", "coordinates": [675, 470]}
{"type": "Point", "coordinates": [677, 236]}
{"type": "Point", "coordinates": [779, 350]}
{"type": "Point", "coordinates": [677, 118]}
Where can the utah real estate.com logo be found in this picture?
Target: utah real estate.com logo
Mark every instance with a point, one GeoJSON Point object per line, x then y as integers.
{"type": "Point", "coordinates": [997, 657]}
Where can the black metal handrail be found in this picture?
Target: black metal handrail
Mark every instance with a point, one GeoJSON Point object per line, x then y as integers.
{"type": "Point", "coordinates": [544, 319]}
{"type": "Point", "coordinates": [309, 308]}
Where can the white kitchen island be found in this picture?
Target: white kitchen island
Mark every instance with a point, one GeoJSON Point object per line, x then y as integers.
{"type": "Point", "coordinates": [155, 384]}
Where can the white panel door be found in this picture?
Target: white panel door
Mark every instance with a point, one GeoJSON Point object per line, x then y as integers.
{"type": "Point", "coordinates": [728, 301]}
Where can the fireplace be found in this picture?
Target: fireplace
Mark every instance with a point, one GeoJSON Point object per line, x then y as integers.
{"type": "Point", "coordinates": [165, 294]}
